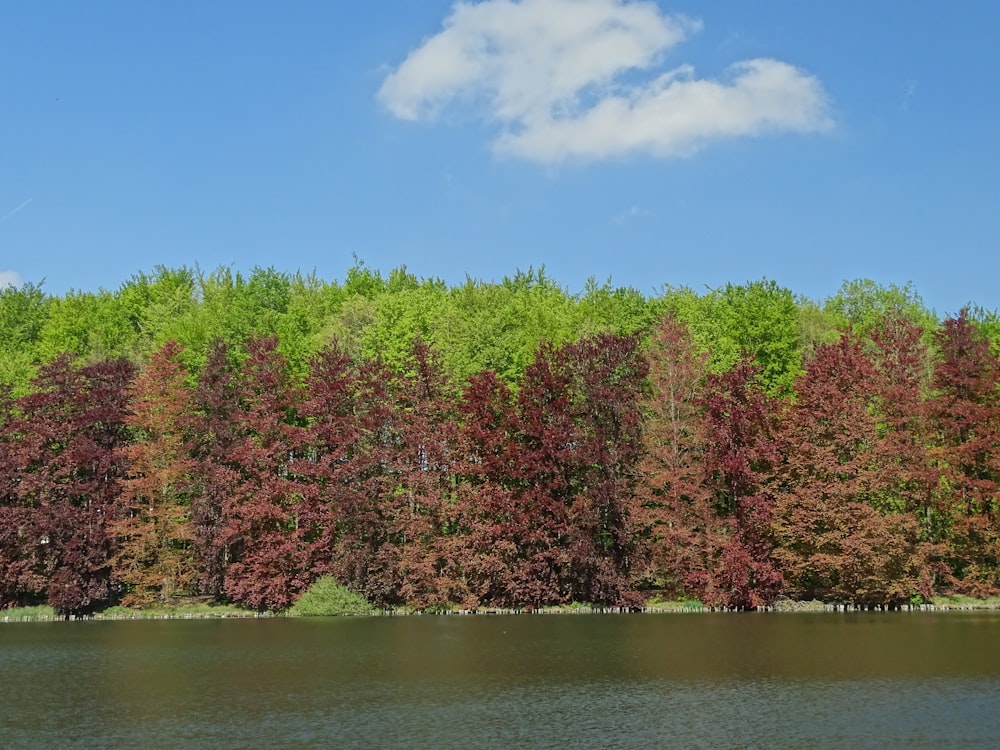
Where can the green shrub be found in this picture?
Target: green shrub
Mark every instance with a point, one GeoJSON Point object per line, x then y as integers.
{"type": "Point", "coordinates": [41, 612]}
{"type": "Point", "coordinates": [119, 611]}
{"type": "Point", "coordinates": [326, 597]}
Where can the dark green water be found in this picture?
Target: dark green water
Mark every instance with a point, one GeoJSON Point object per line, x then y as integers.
{"type": "Point", "coordinates": [895, 680]}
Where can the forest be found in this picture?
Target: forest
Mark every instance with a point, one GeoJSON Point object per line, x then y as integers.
{"type": "Point", "coordinates": [493, 444]}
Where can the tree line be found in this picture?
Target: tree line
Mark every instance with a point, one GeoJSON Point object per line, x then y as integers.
{"type": "Point", "coordinates": [733, 447]}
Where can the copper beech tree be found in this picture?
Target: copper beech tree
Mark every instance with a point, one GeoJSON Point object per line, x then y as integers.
{"type": "Point", "coordinates": [681, 534]}
{"type": "Point", "coordinates": [840, 534]}
{"type": "Point", "coordinates": [741, 451]}
{"type": "Point", "coordinates": [261, 529]}
{"type": "Point", "coordinates": [965, 412]}
{"type": "Point", "coordinates": [547, 500]}
{"type": "Point", "coordinates": [61, 465]}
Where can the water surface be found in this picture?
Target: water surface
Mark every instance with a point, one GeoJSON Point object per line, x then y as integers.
{"type": "Point", "coordinates": [890, 680]}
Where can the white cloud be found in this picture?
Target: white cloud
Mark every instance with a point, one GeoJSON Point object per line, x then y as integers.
{"type": "Point", "coordinates": [10, 278]}
{"type": "Point", "coordinates": [549, 72]}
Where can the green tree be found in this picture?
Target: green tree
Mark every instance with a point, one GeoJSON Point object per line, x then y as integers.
{"type": "Point", "coordinates": [863, 304]}
{"type": "Point", "coordinates": [23, 314]}
{"type": "Point", "coordinates": [92, 326]}
{"type": "Point", "coordinates": [759, 318]}
{"type": "Point", "coordinates": [153, 303]}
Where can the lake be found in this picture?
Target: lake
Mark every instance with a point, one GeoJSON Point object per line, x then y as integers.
{"type": "Point", "coordinates": [886, 680]}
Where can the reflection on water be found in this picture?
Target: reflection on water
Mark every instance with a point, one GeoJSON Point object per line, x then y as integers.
{"type": "Point", "coordinates": [906, 680]}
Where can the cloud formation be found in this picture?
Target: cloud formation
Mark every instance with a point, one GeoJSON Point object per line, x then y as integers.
{"type": "Point", "coordinates": [10, 278]}
{"type": "Point", "coordinates": [552, 74]}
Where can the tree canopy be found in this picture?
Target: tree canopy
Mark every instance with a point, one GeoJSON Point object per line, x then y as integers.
{"type": "Point", "coordinates": [492, 444]}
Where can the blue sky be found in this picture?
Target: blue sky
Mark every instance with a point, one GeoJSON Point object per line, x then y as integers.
{"type": "Point", "coordinates": [688, 143]}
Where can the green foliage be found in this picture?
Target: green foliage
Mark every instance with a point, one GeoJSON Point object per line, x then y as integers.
{"type": "Point", "coordinates": [23, 314]}
{"type": "Point", "coordinates": [759, 318]}
{"type": "Point", "coordinates": [879, 469]}
{"type": "Point", "coordinates": [498, 327]}
{"type": "Point", "coordinates": [987, 322]}
{"type": "Point", "coordinates": [683, 604]}
{"type": "Point", "coordinates": [863, 304]}
{"type": "Point", "coordinates": [606, 309]}
{"type": "Point", "coordinates": [816, 326]}
{"type": "Point", "coordinates": [362, 281]}
{"type": "Point", "coordinates": [89, 325]}
{"type": "Point", "coordinates": [41, 612]}
{"type": "Point", "coordinates": [401, 318]}
{"type": "Point", "coordinates": [966, 602]}
{"type": "Point", "coordinates": [328, 598]}
{"type": "Point", "coordinates": [181, 609]}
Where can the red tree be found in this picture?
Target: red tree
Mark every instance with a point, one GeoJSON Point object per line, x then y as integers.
{"type": "Point", "coordinates": [260, 527]}
{"type": "Point", "coordinates": [965, 411]}
{"type": "Point", "coordinates": [741, 451]}
{"type": "Point", "coordinates": [18, 585]}
{"type": "Point", "coordinates": [548, 481]}
{"type": "Point", "coordinates": [682, 534]}
{"type": "Point", "coordinates": [489, 521]}
{"type": "Point", "coordinates": [543, 481]}
{"type": "Point", "coordinates": [352, 431]}
{"type": "Point", "coordinates": [608, 376]}
{"type": "Point", "coordinates": [214, 426]}
{"type": "Point", "coordinates": [65, 468]}
{"type": "Point", "coordinates": [385, 495]}
{"type": "Point", "coordinates": [337, 466]}
{"type": "Point", "coordinates": [840, 536]}
{"type": "Point", "coordinates": [419, 508]}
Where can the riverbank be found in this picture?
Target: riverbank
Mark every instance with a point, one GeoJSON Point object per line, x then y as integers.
{"type": "Point", "coordinates": [200, 612]}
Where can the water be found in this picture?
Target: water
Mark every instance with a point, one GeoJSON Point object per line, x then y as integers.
{"type": "Point", "coordinates": [893, 680]}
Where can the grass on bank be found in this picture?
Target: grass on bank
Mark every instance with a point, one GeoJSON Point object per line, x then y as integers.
{"type": "Point", "coordinates": [28, 614]}
{"type": "Point", "coordinates": [179, 610]}
{"type": "Point", "coordinates": [660, 603]}
{"type": "Point", "coordinates": [965, 602]}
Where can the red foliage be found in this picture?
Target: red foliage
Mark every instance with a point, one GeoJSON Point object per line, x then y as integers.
{"type": "Point", "coordinates": [337, 466]}
{"type": "Point", "coordinates": [876, 482]}
{"type": "Point", "coordinates": [487, 518]}
{"type": "Point", "coordinates": [547, 502]}
{"type": "Point", "coordinates": [18, 585]}
{"type": "Point", "coordinates": [681, 533]}
{"type": "Point", "coordinates": [350, 430]}
{"type": "Point", "coordinates": [609, 376]}
{"type": "Point", "coordinates": [840, 536]}
{"type": "Point", "coordinates": [62, 470]}
{"type": "Point", "coordinates": [418, 496]}
{"type": "Point", "coordinates": [965, 412]}
{"type": "Point", "coordinates": [741, 451]}
{"type": "Point", "coordinates": [215, 408]}
{"type": "Point", "coordinates": [260, 527]}
{"type": "Point", "coordinates": [384, 496]}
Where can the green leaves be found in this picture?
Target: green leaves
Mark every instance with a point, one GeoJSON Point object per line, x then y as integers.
{"type": "Point", "coordinates": [327, 598]}
{"type": "Point", "coordinates": [760, 319]}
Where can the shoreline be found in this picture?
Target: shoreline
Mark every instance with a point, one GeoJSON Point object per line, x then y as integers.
{"type": "Point", "coordinates": [780, 607]}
